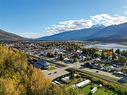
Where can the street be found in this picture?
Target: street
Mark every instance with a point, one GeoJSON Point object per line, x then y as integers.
{"type": "Point", "coordinates": [61, 71]}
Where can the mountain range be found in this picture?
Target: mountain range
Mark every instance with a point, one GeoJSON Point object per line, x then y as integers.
{"type": "Point", "coordinates": [6, 36]}
{"type": "Point", "coordinates": [114, 33]}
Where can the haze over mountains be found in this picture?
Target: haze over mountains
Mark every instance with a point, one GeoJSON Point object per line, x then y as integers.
{"type": "Point", "coordinates": [95, 33]}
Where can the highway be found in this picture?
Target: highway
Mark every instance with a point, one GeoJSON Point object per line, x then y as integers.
{"type": "Point", "coordinates": [61, 70]}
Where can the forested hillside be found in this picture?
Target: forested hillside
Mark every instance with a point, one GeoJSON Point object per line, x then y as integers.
{"type": "Point", "coordinates": [6, 36]}
{"type": "Point", "coordinates": [19, 78]}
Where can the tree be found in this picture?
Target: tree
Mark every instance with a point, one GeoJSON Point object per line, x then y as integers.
{"type": "Point", "coordinates": [19, 78]}
{"type": "Point", "coordinates": [61, 57]}
{"type": "Point", "coordinates": [124, 53]}
{"type": "Point", "coordinates": [102, 55]}
{"type": "Point", "coordinates": [122, 59]}
{"type": "Point", "coordinates": [16, 76]}
{"type": "Point", "coordinates": [113, 56]}
{"type": "Point", "coordinates": [117, 51]}
{"type": "Point", "coordinates": [38, 82]}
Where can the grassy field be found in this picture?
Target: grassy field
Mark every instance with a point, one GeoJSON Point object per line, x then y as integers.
{"type": "Point", "coordinates": [87, 89]}
{"type": "Point", "coordinates": [100, 90]}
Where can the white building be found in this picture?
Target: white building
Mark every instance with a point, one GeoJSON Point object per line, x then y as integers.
{"type": "Point", "coordinates": [83, 83]}
{"type": "Point", "coordinates": [94, 90]}
{"type": "Point", "coordinates": [66, 79]}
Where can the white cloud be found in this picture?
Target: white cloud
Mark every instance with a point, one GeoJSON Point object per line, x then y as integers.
{"type": "Point", "coordinates": [102, 19]}
{"type": "Point", "coordinates": [108, 20]}
{"type": "Point", "coordinates": [30, 35]}
{"type": "Point", "coordinates": [69, 25]}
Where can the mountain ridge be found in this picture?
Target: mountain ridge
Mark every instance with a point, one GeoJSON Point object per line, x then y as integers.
{"type": "Point", "coordinates": [98, 33]}
{"type": "Point", "coordinates": [6, 36]}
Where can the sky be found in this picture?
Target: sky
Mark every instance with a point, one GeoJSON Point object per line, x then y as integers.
{"type": "Point", "coordinates": [36, 18]}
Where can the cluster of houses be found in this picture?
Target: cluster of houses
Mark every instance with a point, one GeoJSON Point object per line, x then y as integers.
{"type": "Point", "coordinates": [48, 50]}
{"type": "Point", "coordinates": [114, 68]}
{"type": "Point", "coordinates": [58, 52]}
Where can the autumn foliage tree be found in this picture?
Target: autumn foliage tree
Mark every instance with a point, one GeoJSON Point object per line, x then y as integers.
{"type": "Point", "coordinates": [19, 78]}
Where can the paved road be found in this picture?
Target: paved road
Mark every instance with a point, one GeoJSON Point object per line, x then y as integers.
{"type": "Point", "coordinates": [78, 66]}
{"type": "Point", "coordinates": [61, 71]}
{"type": "Point", "coordinates": [102, 73]}
{"type": "Point", "coordinates": [98, 76]}
{"type": "Point", "coordinates": [53, 74]}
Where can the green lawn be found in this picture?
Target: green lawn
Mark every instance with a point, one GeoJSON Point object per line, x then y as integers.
{"type": "Point", "coordinates": [86, 89]}
{"type": "Point", "coordinates": [52, 67]}
{"type": "Point", "coordinates": [100, 91]}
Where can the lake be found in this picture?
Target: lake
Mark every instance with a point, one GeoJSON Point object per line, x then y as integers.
{"type": "Point", "coordinates": [108, 46]}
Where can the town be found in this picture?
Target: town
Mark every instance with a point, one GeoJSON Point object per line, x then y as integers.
{"type": "Point", "coordinates": [71, 64]}
{"type": "Point", "coordinates": [63, 47]}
